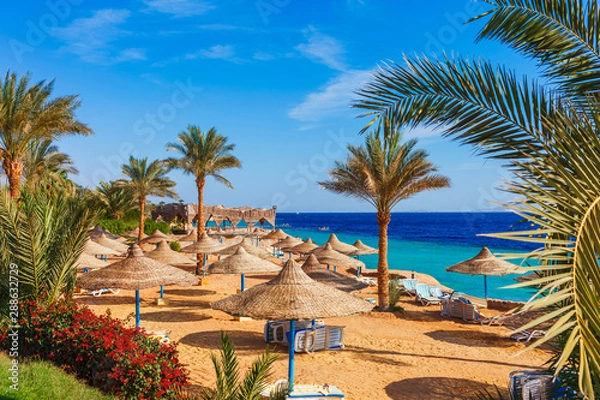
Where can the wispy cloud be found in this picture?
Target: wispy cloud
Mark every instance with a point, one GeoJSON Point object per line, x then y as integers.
{"type": "Point", "coordinates": [217, 52]}
{"type": "Point", "coordinates": [91, 38]}
{"type": "Point", "coordinates": [263, 56]}
{"type": "Point", "coordinates": [179, 8]}
{"type": "Point", "coordinates": [331, 100]}
{"type": "Point", "coordinates": [323, 49]}
{"type": "Point", "coordinates": [223, 27]}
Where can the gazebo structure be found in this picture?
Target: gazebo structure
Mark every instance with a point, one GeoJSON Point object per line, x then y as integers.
{"type": "Point", "coordinates": [292, 295]}
{"type": "Point", "coordinates": [316, 271]}
{"type": "Point", "coordinates": [135, 272]}
{"type": "Point", "coordinates": [486, 264]}
{"type": "Point", "coordinates": [242, 263]}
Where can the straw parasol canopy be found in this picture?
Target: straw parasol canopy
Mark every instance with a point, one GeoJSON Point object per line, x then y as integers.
{"type": "Point", "coordinates": [259, 233]}
{"type": "Point", "coordinates": [89, 261]}
{"type": "Point", "coordinates": [336, 245]}
{"type": "Point", "coordinates": [328, 255]}
{"type": "Point", "coordinates": [315, 270]}
{"type": "Point", "coordinates": [133, 234]}
{"type": "Point", "coordinates": [136, 272]}
{"type": "Point", "coordinates": [288, 242]}
{"type": "Point", "coordinates": [205, 245]}
{"type": "Point", "coordinates": [97, 231]}
{"type": "Point", "coordinates": [93, 248]}
{"type": "Point", "coordinates": [486, 264]}
{"type": "Point", "coordinates": [111, 244]}
{"type": "Point", "coordinates": [156, 237]}
{"type": "Point", "coordinates": [164, 254]}
{"type": "Point", "coordinates": [191, 237]}
{"type": "Point", "coordinates": [363, 249]}
{"type": "Point", "coordinates": [292, 295]}
{"type": "Point", "coordinates": [250, 249]}
{"type": "Point", "coordinates": [305, 247]}
{"type": "Point", "coordinates": [242, 263]}
{"type": "Point", "coordinates": [276, 235]}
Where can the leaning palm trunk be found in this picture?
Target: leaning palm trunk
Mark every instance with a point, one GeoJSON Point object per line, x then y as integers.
{"type": "Point", "coordinates": [142, 210]}
{"type": "Point", "coordinates": [383, 219]}
{"type": "Point", "coordinates": [200, 230]}
{"type": "Point", "coordinates": [13, 170]}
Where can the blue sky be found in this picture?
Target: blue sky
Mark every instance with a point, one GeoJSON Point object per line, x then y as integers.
{"type": "Point", "coordinates": [275, 76]}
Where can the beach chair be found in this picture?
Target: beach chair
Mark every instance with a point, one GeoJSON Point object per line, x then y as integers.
{"type": "Point", "coordinates": [312, 392]}
{"type": "Point", "coordinates": [526, 335]}
{"type": "Point", "coordinates": [435, 291]}
{"type": "Point", "coordinates": [409, 286]}
{"type": "Point", "coordinates": [277, 331]}
{"type": "Point", "coordinates": [531, 385]}
{"type": "Point", "coordinates": [100, 292]}
{"type": "Point", "coordinates": [324, 337]}
{"type": "Point", "coordinates": [423, 295]}
{"type": "Point", "coordinates": [161, 335]}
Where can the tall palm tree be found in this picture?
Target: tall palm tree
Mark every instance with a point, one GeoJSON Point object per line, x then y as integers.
{"type": "Point", "coordinates": [203, 155]}
{"type": "Point", "coordinates": [548, 135]}
{"type": "Point", "coordinates": [27, 113]}
{"type": "Point", "coordinates": [43, 160]}
{"type": "Point", "coordinates": [114, 199]}
{"type": "Point", "coordinates": [384, 172]}
{"type": "Point", "coordinates": [146, 179]}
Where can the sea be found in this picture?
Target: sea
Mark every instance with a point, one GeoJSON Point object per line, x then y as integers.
{"type": "Point", "coordinates": [425, 242]}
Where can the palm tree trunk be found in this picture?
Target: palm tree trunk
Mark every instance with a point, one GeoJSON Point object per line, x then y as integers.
{"type": "Point", "coordinates": [383, 292]}
{"type": "Point", "coordinates": [13, 170]}
{"type": "Point", "coordinates": [200, 185]}
{"type": "Point", "coordinates": [142, 207]}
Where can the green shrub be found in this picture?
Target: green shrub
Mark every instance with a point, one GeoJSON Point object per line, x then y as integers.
{"type": "Point", "coordinates": [395, 294]}
{"type": "Point", "coordinates": [175, 246]}
{"type": "Point", "coordinates": [150, 226]}
{"type": "Point", "coordinates": [117, 226]}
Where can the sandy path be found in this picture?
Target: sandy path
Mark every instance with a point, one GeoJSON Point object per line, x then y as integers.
{"type": "Point", "coordinates": [412, 355]}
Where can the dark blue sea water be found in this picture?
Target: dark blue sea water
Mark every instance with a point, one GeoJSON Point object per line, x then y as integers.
{"type": "Point", "coordinates": [424, 242]}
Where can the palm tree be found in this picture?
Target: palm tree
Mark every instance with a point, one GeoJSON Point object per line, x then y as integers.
{"type": "Point", "coordinates": [384, 172]}
{"type": "Point", "coordinates": [27, 113]}
{"type": "Point", "coordinates": [43, 160]}
{"type": "Point", "coordinates": [146, 179]}
{"type": "Point", "coordinates": [548, 136]}
{"type": "Point", "coordinates": [114, 199]}
{"type": "Point", "coordinates": [203, 155]}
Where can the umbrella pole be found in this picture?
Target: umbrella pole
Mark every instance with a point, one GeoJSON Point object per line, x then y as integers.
{"type": "Point", "coordinates": [242, 288]}
{"type": "Point", "coordinates": [485, 285]}
{"type": "Point", "coordinates": [162, 292]}
{"type": "Point", "coordinates": [137, 308]}
{"type": "Point", "coordinates": [291, 356]}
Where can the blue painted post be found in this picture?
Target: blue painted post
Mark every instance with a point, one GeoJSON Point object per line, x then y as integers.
{"type": "Point", "coordinates": [327, 266]}
{"type": "Point", "coordinates": [291, 355]}
{"type": "Point", "coordinates": [485, 285]}
{"type": "Point", "coordinates": [242, 288]}
{"type": "Point", "coordinates": [335, 268]}
{"type": "Point", "coordinates": [137, 308]}
{"type": "Point", "coordinates": [204, 258]}
{"type": "Point", "coordinates": [162, 292]}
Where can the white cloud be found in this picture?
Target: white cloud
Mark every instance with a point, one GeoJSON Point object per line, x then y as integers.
{"type": "Point", "coordinates": [333, 99]}
{"type": "Point", "coordinates": [217, 52]}
{"type": "Point", "coordinates": [179, 8]}
{"type": "Point", "coordinates": [263, 56]}
{"type": "Point", "coordinates": [222, 27]}
{"type": "Point", "coordinates": [323, 49]}
{"type": "Point", "coordinates": [91, 38]}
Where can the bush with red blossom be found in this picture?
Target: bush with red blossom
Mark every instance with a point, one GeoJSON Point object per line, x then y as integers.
{"type": "Point", "coordinates": [99, 349]}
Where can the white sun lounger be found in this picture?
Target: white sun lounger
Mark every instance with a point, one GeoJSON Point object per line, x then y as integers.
{"type": "Point", "coordinates": [312, 392]}
{"type": "Point", "coordinates": [277, 331]}
{"type": "Point", "coordinates": [324, 337]}
{"type": "Point", "coordinates": [100, 292]}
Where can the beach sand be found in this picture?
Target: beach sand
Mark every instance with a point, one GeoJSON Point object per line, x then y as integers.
{"type": "Point", "coordinates": [416, 354]}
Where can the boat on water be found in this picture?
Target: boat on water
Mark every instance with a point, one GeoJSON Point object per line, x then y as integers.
{"type": "Point", "coordinates": [323, 228]}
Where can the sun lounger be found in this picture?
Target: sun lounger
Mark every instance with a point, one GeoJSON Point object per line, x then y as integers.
{"type": "Point", "coordinates": [462, 309]}
{"type": "Point", "coordinates": [435, 291]}
{"type": "Point", "coordinates": [526, 335]}
{"type": "Point", "coordinates": [423, 295]}
{"type": "Point", "coordinates": [324, 337]}
{"type": "Point", "coordinates": [409, 286]}
{"type": "Point", "coordinates": [324, 391]}
{"type": "Point", "coordinates": [100, 292]}
{"type": "Point", "coordinates": [161, 335]}
{"type": "Point", "coordinates": [368, 281]}
{"type": "Point", "coordinates": [277, 331]}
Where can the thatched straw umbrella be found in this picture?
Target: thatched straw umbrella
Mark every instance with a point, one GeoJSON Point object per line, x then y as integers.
{"type": "Point", "coordinates": [279, 234]}
{"type": "Point", "coordinates": [89, 261]}
{"type": "Point", "coordinates": [206, 245]}
{"type": "Point", "coordinates": [486, 264]}
{"type": "Point", "coordinates": [164, 254]}
{"type": "Point", "coordinates": [316, 271]}
{"type": "Point", "coordinates": [136, 272]}
{"type": "Point", "coordinates": [336, 245]}
{"type": "Point", "coordinates": [292, 295]}
{"type": "Point", "coordinates": [250, 249]}
{"type": "Point", "coordinates": [288, 242]}
{"type": "Point", "coordinates": [94, 249]}
{"type": "Point", "coordinates": [156, 237]}
{"type": "Point", "coordinates": [111, 244]}
{"type": "Point", "coordinates": [134, 233]}
{"type": "Point", "coordinates": [303, 248]}
{"type": "Point", "coordinates": [363, 249]}
{"type": "Point", "coordinates": [191, 237]}
{"type": "Point", "coordinates": [329, 256]}
{"type": "Point", "coordinates": [97, 231]}
{"type": "Point", "coordinates": [242, 263]}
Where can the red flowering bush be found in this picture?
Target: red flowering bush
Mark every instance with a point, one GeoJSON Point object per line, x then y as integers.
{"type": "Point", "coordinates": [99, 349]}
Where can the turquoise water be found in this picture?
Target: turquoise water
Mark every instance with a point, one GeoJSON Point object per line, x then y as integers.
{"type": "Point", "coordinates": [430, 256]}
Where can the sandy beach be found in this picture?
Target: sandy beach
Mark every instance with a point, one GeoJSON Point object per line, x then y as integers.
{"type": "Point", "coordinates": [415, 354]}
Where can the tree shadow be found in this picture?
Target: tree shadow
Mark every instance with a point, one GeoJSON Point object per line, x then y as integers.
{"type": "Point", "coordinates": [469, 338]}
{"type": "Point", "coordinates": [106, 300]}
{"type": "Point", "coordinates": [173, 316]}
{"type": "Point", "coordinates": [243, 340]}
{"type": "Point", "coordinates": [189, 292]}
{"type": "Point", "coordinates": [437, 388]}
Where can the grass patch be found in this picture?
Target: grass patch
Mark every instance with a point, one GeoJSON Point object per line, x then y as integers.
{"type": "Point", "coordinates": [43, 381]}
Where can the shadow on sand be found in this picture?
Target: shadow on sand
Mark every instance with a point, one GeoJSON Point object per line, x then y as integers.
{"type": "Point", "coordinates": [436, 388]}
{"type": "Point", "coordinates": [169, 315]}
{"type": "Point", "coordinates": [244, 340]}
{"type": "Point", "coordinates": [469, 338]}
